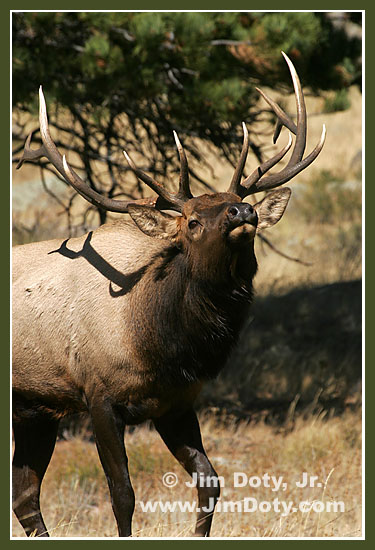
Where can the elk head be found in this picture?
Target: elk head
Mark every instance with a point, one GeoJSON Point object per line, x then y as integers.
{"type": "Point", "coordinates": [218, 218]}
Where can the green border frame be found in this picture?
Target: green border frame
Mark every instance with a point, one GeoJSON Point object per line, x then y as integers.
{"type": "Point", "coordinates": [198, 5]}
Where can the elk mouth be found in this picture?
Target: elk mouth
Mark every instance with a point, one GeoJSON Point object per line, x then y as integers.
{"type": "Point", "coordinates": [243, 230]}
{"type": "Point", "coordinates": [241, 233]}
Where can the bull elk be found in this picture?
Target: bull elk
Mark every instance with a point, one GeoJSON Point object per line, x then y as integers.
{"type": "Point", "coordinates": [128, 321]}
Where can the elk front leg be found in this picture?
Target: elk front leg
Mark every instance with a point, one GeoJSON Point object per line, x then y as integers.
{"type": "Point", "coordinates": [109, 428]}
{"type": "Point", "coordinates": [181, 434]}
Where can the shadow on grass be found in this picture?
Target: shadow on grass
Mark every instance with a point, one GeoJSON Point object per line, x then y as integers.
{"type": "Point", "coordinates": [300, 351]}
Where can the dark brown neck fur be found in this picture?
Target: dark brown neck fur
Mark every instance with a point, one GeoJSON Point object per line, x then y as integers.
{"type": "Point", "coordinates": [205, 316]}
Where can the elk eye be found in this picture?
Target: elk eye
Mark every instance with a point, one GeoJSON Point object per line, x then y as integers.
{"type": "Point", "coordinates": [193, 224]}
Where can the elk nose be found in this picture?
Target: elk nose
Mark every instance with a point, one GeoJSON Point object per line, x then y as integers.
{"type": "Point", "coordinates": [242, 213]}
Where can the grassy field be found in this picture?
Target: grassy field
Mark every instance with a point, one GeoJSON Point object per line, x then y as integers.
{"type": "Point", "coordinates": [76, 503]}
{"type": "Point", "coordinates": [289, 400]}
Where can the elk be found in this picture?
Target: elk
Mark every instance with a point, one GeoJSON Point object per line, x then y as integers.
{"type": "Point", "coordinates": [128, 321]}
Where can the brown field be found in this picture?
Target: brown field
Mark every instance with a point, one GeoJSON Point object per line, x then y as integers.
{"type": "Point", "coordinates": [290, 399]}
{"type": "Point", "coordinates": [76, 503]}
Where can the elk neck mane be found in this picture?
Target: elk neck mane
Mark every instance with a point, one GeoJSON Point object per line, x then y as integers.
{"type": "Point", "coordinates": [204, 316]}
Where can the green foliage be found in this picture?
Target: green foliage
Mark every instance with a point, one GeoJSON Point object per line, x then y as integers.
{"type": "Point", "coordinates": [132, 50]}
{"type": "Point", "coordinates": [99, 58]}
{"type": "Point", "coordinates": [338, 102]}
{"type": "Point", "coordinates": [291, 31]}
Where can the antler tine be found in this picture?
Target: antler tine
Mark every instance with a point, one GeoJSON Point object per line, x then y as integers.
{"type": "Point", "coordinates": [184, 187]}
{"type": "Point", "coordinates": [235, 184]}
{"type": "Point", "coordinates": [96, 199]}
{"type": "Point", "coordinates": [166, 199]}
{"type": "Point", "coordinates": [263, 168]}
{"type": "Point", "coordinates": [287, 174]}
{"type": "Point", "coordinates": [30, 154]}
{"type": "Point", "coordinates": [282, 118]}
{"type": "Point", "coordinates": [300, 144]}
{"type": "Point", "coordinates": [69, 174]}
{"type": "Point", "coordinates": [296, 162]}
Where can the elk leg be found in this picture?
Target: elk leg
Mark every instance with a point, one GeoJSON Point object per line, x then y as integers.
{"type": "Point", "coordinates": [34, 443]}
{"type": "Point", "coordinates": [181, 434]}
{"type": "Point", "coordinates": [109, 428]}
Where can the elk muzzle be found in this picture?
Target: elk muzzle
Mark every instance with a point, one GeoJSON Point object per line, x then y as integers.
{"type": "Point", "coordinates": [241, 221]}
{"type": "Point", "coordinates": [242, 213]}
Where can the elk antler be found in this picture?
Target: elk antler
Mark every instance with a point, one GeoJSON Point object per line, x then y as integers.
{"type": "Point", "coordinates": [257, 181]}
{"type": "Point", "coordinates": [165, 199]}
{"type": "Point", "coordinates": [175, 201]}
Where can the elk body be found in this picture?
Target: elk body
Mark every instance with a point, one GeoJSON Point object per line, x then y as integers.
{"type": "Point", "coordinates": [128, 321]}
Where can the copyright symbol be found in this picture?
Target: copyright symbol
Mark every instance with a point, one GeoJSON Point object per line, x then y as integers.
{"type": "Point", "coordinates": [170, 479]}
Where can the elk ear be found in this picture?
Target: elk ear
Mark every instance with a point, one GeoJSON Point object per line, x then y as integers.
{"type": "Point", "coordinates": [153, 222]}
{"type": "Point", "coordinates": [272, 207]}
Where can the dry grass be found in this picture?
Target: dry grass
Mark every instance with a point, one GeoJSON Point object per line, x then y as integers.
{"type": "Point", "coordinates": [75, 498]}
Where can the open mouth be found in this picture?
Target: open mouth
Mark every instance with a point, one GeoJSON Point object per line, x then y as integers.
{"type": "Point", "coordinates": [247, 222]}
